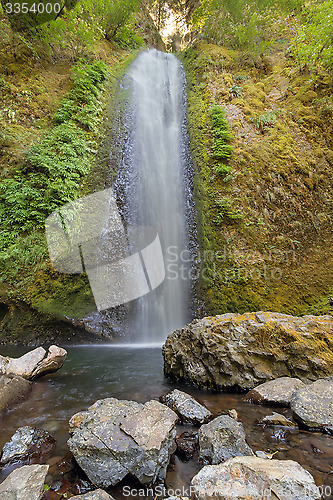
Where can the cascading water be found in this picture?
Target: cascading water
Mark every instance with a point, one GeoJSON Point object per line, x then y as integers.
{"type": "Point", "coordinates": [153, 184]}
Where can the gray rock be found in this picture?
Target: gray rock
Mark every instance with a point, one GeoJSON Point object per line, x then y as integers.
{"type": "Point", "coordinates": [115, 438]}
{"type": "Point", "coordinates": [221, 439]}
{"type": "Point", "coordinates": [313, 405]}
{"type": "Point", "coordinates": [275, 392]}
{"type": "Point", "coordinates": [254, 478]}
{"type": "Point", "coordinates": [95, 495]}
{"type": "Point", "coordinates": [12, 388]}
{"type": "Point", "coordinates": [187, 408]}
{"type": "Point", "coordinates": [278, 420]}
{"type": "Point", "coordinates": [27, 443]}
{"type": "Point", "coordinates": [244, 350]}
{"type": "Point", "coordinates": [25, 483]}
{"type": "Point", "coordinates": [34, 364]}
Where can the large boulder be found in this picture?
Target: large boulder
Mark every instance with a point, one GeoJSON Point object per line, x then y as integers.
{"type": "Point", "coordinates": [187, 408]}
{"type": "Point", "coordinates": [275, 392]}
{"type": "Point", "coordinates": [25, 483]}
{"type": "Point", "coordinates": [28, 444]}
{"type": "Point", "coordinates": [241, 351]}
{"type": "Point", "coordinates": [12, 389]}
{"type": "Point", "coordinates": [35, 363]}
{"type": "Point", "coordinates": [115, 438]}
{"type": "Point", "coordinates": [313, 405]}
{"type": "Point", "coordinates": [254, 478]}
{"type": "Point", "coordinates": [221, 439]}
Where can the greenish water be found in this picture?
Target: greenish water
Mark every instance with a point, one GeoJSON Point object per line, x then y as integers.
{"type": "Point", "coordinates": [94, 372]}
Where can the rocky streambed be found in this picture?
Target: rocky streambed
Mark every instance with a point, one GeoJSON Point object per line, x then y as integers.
{"type": "Point", "coordinates": [110, 420]}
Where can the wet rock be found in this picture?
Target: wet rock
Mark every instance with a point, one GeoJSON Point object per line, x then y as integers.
{"type": "Point", "coordinates": [275, 392]}
{"type": "Point", "coordinates": [241, 351]}
{"type": "Point", "coordinates": [24, 483]}
{"type": "Point", "coordinates": [28, 445]}
{"type": "Point", "coordinates": [114, 438]}
{"type": "Point", "coordinates": [221, 439]}
{"type": "Point", "coordinates": [66, 476]}
{"type": "Point", "coordinates": [278, 420]}
{"type": "Point", "coordinates": [313, 405]}
{"type": "Point", "coordinates": [254, 478]}
{"type": "Point", "coordinates": [34, 364]}
{"type": "Point", "coordinates": [54, 360]}
{"type": "Point", "coordinates": [187, 444]}
{"type": "Point", "coordinates": [12, 388]}
{"type": "Point", "coordinates": [187, 408]}
{"type": "Point", "coordinates": [95, 495]}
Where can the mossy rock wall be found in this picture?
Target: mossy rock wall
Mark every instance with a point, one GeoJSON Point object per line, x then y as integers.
{"type": "Point", "coordinates": [265, 216]}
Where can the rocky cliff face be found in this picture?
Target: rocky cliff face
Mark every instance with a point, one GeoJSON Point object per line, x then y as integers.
{"type": "Point", "coordinates": [240, 351]}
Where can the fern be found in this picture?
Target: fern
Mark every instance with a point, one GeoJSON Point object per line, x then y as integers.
{"type": "Point", "coordinates": [263, 122]}
{"type": "Point", "coordinates": [221, 134]}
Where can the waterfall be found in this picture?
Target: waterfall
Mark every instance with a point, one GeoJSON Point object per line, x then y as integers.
{"type": "Point", "coordinates": [153, 184]}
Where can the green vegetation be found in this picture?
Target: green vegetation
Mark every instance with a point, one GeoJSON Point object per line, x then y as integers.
{"type": "Point", "coordinates": [264, 121]}
{"type": "Point", "coordinates": [255, 25]}
{"type": "Point", "coordinates": [221, 135]}
{"type": "Point", "coordinates": [50, 173]}
{"type": "Point", "coordinates": [227, 211]}
{"type": "Point", "coordinates": [264, 209]}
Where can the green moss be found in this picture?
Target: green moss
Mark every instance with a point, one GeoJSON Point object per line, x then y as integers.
{"type": "Point", "coordinates": [264, 226]}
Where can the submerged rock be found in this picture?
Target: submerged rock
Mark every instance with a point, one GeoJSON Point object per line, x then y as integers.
{"type": "Point", "coordinates": [313, 405]}
{"type": "Point", "coordinates": [254, 478]}
{"type": "Point", "coordinates": [275, 392]}
{"type": "Point", "coordinates": [187, 408]}
{"type": "Point", "coordinates": [241, 351]}
{"type": "Point", "coordinates": [12, 388]}
{"type": "Point", "coordinates": [27, 444]}
{"type": "Point", "coordinates": [278, 420]}
{"type": "Point", "coordinates": [25, 483]}
{"type": "Point", "coordinates": [34, 364]}
{"type": "Point", "coordinates": [114, 438]}
{"type": "Point", "coordinates": [221, 439]}
{"type": "Point", "coordinates": [187, 444]}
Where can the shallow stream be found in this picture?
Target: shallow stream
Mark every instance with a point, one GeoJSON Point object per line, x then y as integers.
{"type": "Point", "coordinates": [94, 372]}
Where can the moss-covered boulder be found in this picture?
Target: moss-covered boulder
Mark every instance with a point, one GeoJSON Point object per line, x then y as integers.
{"type": "Point", "coordinates": [240, 351]}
